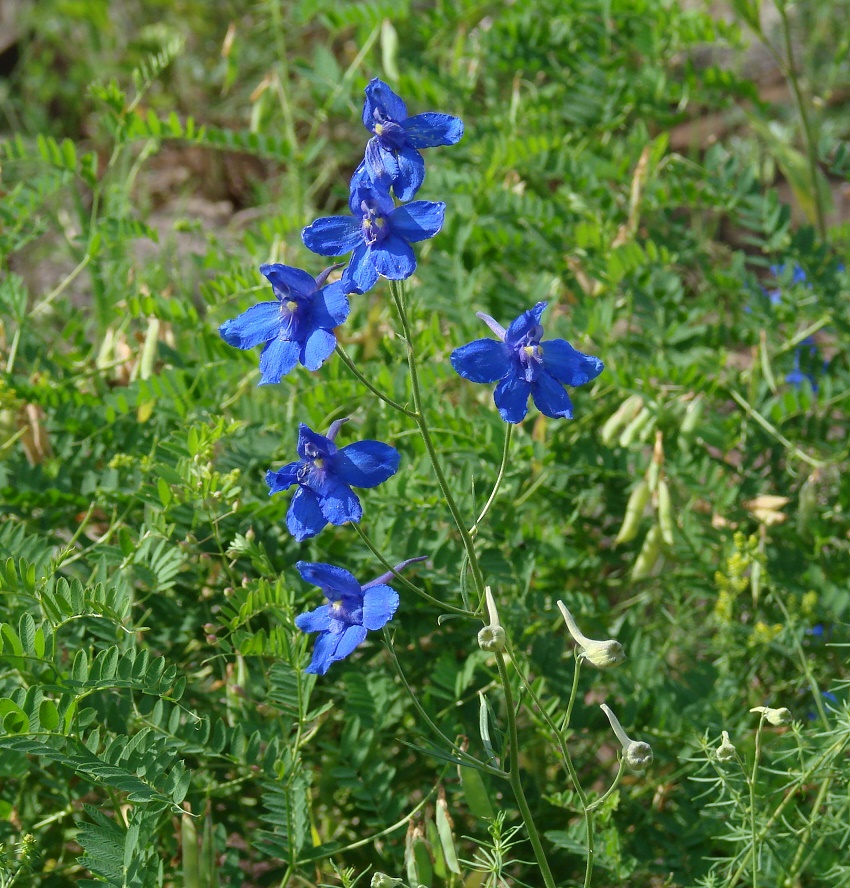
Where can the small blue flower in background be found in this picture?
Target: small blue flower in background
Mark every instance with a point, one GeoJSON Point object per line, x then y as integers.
{"type": "Point", "coordinates": [798, 276]}
{"type": "Point", "coordinates": [523, 366]}
{"type": "Point", "coordinates": [352, 610]}
{"type": "Point", "coordinates": [298, 327]}
{"type": "Point", "coordinates": [797, 377]}
{"type": "Point", "coordinates": [392, 158]}
{"type": "Point", "coordinates": [379, 233]}
{"type": "Point", "coordinates": [325, 475]}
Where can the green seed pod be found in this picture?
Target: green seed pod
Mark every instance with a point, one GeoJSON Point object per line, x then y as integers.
{"type": "Point", "coordinates": [665, 513]}
{"type": "Point", "coordinates": [636, 427]}
{"type": "Point", "coordinates": [690, 421]}
{"type": "Point", "coordinates": [648, 555]}
{"type": "Point", "coordinates": [625, 413]}
{"type": "Point", "coordinates": [808, 501]}
{"type": "Point", "coordinates": [634, 512]}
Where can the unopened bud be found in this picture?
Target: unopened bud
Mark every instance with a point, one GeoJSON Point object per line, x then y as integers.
{"type": "Point", "coordinates": [382, 880]}
{"type": "Point", "coordinates": [776, 717]}
{"type": "Point", "coordinates": [603, 654]}
{"type": "Point", "coordinates": [726, 752]}
{"type": "Point", "coordinates": [492, 637]}
{"type": "Point", "coordinates": [636, 754]}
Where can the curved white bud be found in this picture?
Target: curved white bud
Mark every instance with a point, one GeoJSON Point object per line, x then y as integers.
{"type": "Point", "coordinates": [636, 754]}
{"type": "Point", "coordinates": [777, 717]}
{"type": "Point", "coordinates": [725, 752]}
{"type": "Point", "coordinates": [603, 654]}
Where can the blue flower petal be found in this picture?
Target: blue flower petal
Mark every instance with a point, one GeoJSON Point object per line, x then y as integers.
{"type": "Point", "coordinates": [323, 653]}
{"type": "Point", "coordinates": [361, 274]}
{"type": "Point", "coordinates": [330, 306]}
{"type": "Point", "coordinates": [304, 518]}
{"type": "Point", "coordinates": [260, 323]}
{"type": "Point", "coordinates": [339, 503]}
{"type": "Point", "coordinates": [381, 98]}
{"type": "Point", "coordinates": [335, 582]}
{"type": "Point", "coordinates": [332, 235]}
{"type": "Point", "coordinates": [379, 605]}
{"type": "Point", "coordinates": [310, 440]}
{"type": "Point", "coordinates": [382, 169]}
{"type": "Point", "coordinates": [394, 258]}
{"type": "Point", "coordinates": [283, 478]}
{"type": "Point", "coordinates": [484, 360]}
{"type": "Point", "coordinates": [411, 173]}
{"type": "Point", "coordinates": [348, 641]}
{"type": "Point", "coordinates": [318, 620]}
{"type": "Point", "coordinates": [287, 280]}
{"type": "Point", "coordinates": [277, 359]}
{"type": "Point", "coordinates": [568, 365]}
{"type": "Point", "coordinates": [366, 463]}
{"type": "Point", "coordinates": [525, 323]}
{"type": "Point", "coordinates": [431, 129]}
{"type": "Point", "coordinates": [551, 398]}
{"type": "Point", "coordinates": [511, 397]}
{"type": "Point", "coordinates": [317, 349]}
{"type": "Point", "coordinates": [418, 220]}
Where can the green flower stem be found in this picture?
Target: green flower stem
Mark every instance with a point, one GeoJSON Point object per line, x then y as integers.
{"type": "Point", "coordinates": [772, 430]}
{"type": "Point", "coordinates": [751, 784]}
{"type": "Point", "coordinates": [456, 750]}
{"type": "Point", "coordinates": [402, 579]}
{"type": "Point", "coordinates": [343, 355]}
{"type": "Point", "coordinates": [790, 72]}
{"type": "Point", "coordinates": [501, 474]}
{"type": "Point", "coordinates": [560, 738]}
{"type": "Point", "coordinates": [397, 291]}
{"type": "Point", "coordinates": [514, 777]}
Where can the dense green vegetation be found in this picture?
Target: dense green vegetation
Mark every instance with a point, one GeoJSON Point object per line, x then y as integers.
{"type": "Point", "coordinates": [661, 177]}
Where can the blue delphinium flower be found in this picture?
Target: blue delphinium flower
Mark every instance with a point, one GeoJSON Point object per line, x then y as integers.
{"type": "Point", "coordinates": [297, 327]}
{"type": "Point", "coordinates": [798, 276]}
{"type": "Point", "coordinates": [379, 233]}
{"type": "Point", "coordinates": [392, 156]}
{"type": "Point", "coordinates": [325, 475]}
{"type": "Point", "coordinates": [523, 365]}
{"type": "Point", "coordinates": [351, 612]}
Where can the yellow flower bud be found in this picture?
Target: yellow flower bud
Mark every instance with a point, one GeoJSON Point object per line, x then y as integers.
{"type": "Point", "coordinates": [776, 717]}
{"type": "Point", "coordinates": [725, 752]}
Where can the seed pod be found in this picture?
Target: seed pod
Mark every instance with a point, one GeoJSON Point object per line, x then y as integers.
{"type": "Point", "coordinates": [625, 413]}
{"type": "Point", "coordinates": [808, 501]}
{"type": "Point", "coordinates": [648, 555]}
{"type": "Point", "coordinates": [634, 429]}
{"type": "Point", "coordinates": [665, 513]}
{"type": "Point", "coordinates": [690, 422]}
{"type": "Point", "coordinates": [634, 512]}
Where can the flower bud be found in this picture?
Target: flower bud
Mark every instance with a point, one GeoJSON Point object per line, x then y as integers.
{"type": "Point", "coordinates": [776, 717]}
{"type": "Point", "coordinates": [636, 754]}
{"type": "Point", "coordinates": [603, 654]}
{"type": "Point", "coordinates": [382, 880]}
{"type": "Point", "coordinates": [492, 637]}
{"type": "Point", "coordinates": [725, 752]}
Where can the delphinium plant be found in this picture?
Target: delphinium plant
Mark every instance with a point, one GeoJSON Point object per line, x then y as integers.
{"type": "Point", "coordinates": [525, 368]}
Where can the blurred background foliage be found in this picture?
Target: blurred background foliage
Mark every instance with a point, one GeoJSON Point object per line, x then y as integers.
{"type": "Point", "coordinates": [643, 166]}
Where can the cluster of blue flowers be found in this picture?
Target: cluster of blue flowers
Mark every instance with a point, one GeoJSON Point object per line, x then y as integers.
{"type": "Point", "coordinates": [298, 327]}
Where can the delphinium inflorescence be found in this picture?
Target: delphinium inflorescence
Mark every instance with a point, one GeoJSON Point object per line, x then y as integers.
{"type": "Point", "coordinates": [299, 327]}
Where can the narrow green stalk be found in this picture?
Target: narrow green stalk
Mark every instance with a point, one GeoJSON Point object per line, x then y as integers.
{"type": "Point", "coordinates": [460, 753]}
{"type": "Point", "coordinates": [811, 149]}
{"type": "Point", "coordinates": [751, 783]}
{"type": "Point", "coordinates": [514, 777]}
{"type": "Point", "coordinates": [499, 476]}
{"type": "Point", "coordinates": [402, 579]}
{"type": "Point", "coordinates": [343, 355]}
{"type": "Point", "coordinates": [13, 350]}
{"type": "Point", "coordinates": [772, 430]}
{"type": "Point", "coordinates": [397, 291]}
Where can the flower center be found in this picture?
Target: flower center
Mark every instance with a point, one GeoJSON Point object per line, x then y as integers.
{"type": "Point", "coordinates": [374, 225]}
{"type": "Point", "coordinates": [292, 305]}
{"type": "Point", "coordinates": [530, 354]}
